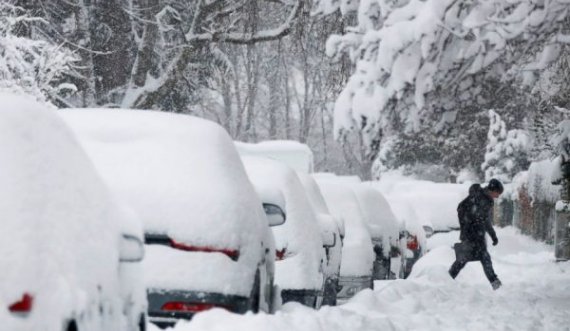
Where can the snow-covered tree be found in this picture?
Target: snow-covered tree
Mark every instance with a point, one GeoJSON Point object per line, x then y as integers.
{"type": "Point", "coordinates": [413, 59]}
{"type": "Point", "coordinates": [30, 63]}
{"type": "Point", "coordinates": [506, 152]}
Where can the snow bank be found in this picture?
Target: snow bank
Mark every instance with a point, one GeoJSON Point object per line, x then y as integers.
{"type": "Point", "coordinates": [533, 286]}
{"type": "Point", "coordinates": [357, 252]}
{"type": "Point", "coordinates": [296, 155]}
{"type": "Point", "coordinates": [185, 179]}
{"type": "Point", "coordinates": [300, 235]}
{"type": "Point", "coordinates": [61, 229]}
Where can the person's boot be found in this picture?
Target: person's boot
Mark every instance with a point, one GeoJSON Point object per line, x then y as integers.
{"type": "Point", "coordinates": [496, 284]}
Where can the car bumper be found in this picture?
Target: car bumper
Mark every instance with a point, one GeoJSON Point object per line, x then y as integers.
{"type": "Point", "coordinates": [349, 286]}
{"type": "Point", "coordinates": [163, 319]}
{"type": "Point", "coordinates": [305, 297]}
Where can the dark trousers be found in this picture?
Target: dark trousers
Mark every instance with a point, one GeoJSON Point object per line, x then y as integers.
{"type": "Point", "coordinates": [485, 261]}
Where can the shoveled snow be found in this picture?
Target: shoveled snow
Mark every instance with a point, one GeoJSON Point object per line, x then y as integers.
{"type": "Point", "coordinates": [535, 296]}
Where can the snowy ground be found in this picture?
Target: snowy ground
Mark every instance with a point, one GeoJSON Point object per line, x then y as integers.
{"type": "Point", "coordinates": [535, 296]}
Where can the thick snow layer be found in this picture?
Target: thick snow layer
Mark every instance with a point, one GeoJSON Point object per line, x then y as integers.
{"type": "Point", "coordinates": [317, 200]}
{"type": "Point", "coordinates": [183, 176]}
{"type": "Point", "coordinates": [539, 184]}
{"type": "Point", "coordinates": [357, 252]}
{"type": "Point", "coordinates": [60, 227]}
{"type": "Point", "coordinates": [431, 203]}
{"type": "Point", "coordinates": [535, 296]}
{"type": "Point", "coordinates": [329, 224]}
{"type": "Point", "coordinates": [294, 154]}
{"type": "Point", "coordinates": [300, 235]}
{"type": "Point", "coordinates": [381, 221]}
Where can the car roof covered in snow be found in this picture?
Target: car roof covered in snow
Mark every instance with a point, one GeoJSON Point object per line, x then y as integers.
{"type": "Point", "coordinates": [180, 173]}
{"type": "Point", "coordinates": [296, 155]}
{"type": "Point", "coordinates": [59, 220]}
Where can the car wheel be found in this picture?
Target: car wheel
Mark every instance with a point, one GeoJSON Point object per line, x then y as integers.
{"type": "Point", "coordinates": [254, 298]}
{"type": "Point", "coordinates": [72, 326]}
{"type": "Point", "coordinates": [142, 323]}
{"type": "Point", "coordinates": [329, 298]}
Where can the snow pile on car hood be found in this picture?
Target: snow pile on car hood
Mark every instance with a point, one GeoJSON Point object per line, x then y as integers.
{"type": "Point", "coordinates": [60, 228]}
{"type": "Point", "coordinates": [183, 176]}
{"type": "Point", "coordinates": [300, 235]}
{"type": "Point", "coordinates": [357, 252]}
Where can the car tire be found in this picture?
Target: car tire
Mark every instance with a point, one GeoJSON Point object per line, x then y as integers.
{"type": "Point", "coordinates": [142, 323]}
{"type": "Point", "coordinates": [71, 326]}
{"type": "Point", "coordinates": [254, 298]}
{"type": "Point", "coordinates": [329, 296]}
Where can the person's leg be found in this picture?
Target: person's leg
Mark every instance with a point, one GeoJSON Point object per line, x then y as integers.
{"type": "Point", "coordinates": [456, 268]}
{"type": "Point", "coordinates": [488, 266]}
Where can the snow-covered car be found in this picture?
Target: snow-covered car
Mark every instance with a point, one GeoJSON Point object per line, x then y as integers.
{"type": "Point", "coordinates": [412, 234]}
{"type": "Point", "coordinates": [294, 154]}
{"type": "Point", "coordinates": [357, 250]}
{"type": "Point", "coordinates": [207, 238]}
{"type": "Point", "coordinates": [384, 230]}
{"type": "Point", "coordinates": [298, 241]}
{"type": "Point", "coordinates": [70, 253]}
{"type": "Point", "coordinates": [332, 230]}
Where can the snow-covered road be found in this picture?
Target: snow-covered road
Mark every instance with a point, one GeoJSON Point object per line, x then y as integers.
{"type": "Point", "coordinates": [535, 296]}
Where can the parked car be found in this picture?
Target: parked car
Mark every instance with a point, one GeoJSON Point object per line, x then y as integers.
{"type": "Point", "coordinates": [298, 241]}
{"type": "Point", "coordinates": [332, 230]}
{"type": "Point", "coordinates": [70, 254]}
{"type": "Point", "coordinates": [384, 230]}
{"type": "Point", "coordinates": [207, 238]}
{"type": "Point", "coordinates": [412, 234]}
{"type": "Point", "coordinates": [357, 251]}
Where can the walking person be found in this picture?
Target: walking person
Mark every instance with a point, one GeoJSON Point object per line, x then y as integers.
{"type": "Point", "coordinates": [476, 220]}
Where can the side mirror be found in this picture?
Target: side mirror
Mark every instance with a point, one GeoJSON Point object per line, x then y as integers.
{"type": "Point", "coordinates": [275, 215]}
{"type": "Point", "coordinates": [429, 231]}
{"type": "Point", "coordinates": [131, 249]}
{"type": "Point", "coordinates": [329, 239]}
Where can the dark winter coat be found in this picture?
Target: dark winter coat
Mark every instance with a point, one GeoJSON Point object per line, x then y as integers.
{"type": "Point", "coordinates": [476, 218]}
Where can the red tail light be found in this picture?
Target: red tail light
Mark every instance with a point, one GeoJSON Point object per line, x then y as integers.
{"type": "Point", "coordinates": [189, 307]}
{"type": "Point", "coordinates": [280, 255]}
{"type": "Point", "coordinates": [413, 243]}
{"type": "Point", "coordinates": [231, 253]}
{"type": "Point", "coordinates": [24, 305]}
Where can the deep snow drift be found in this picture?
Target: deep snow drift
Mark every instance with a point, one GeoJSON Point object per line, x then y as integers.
{"type": "Point", "coordinates": [535, 296]}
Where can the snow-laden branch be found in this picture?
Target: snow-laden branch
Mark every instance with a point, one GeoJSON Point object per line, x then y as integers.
{"type": "Point", "coordinates": [405, 52]}
{"type": "Point", "coordinates": [243, 38]}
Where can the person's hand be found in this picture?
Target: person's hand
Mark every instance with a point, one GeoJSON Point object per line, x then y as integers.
{"type": "Point", "coordinates": [495, 241]}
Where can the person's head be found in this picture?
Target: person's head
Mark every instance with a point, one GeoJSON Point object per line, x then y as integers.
{"type": "Point", "coordinates": [495, 188]}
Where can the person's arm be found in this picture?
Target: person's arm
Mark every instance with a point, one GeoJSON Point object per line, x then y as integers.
{"type": "Point", "coordinates": [489, 226]}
